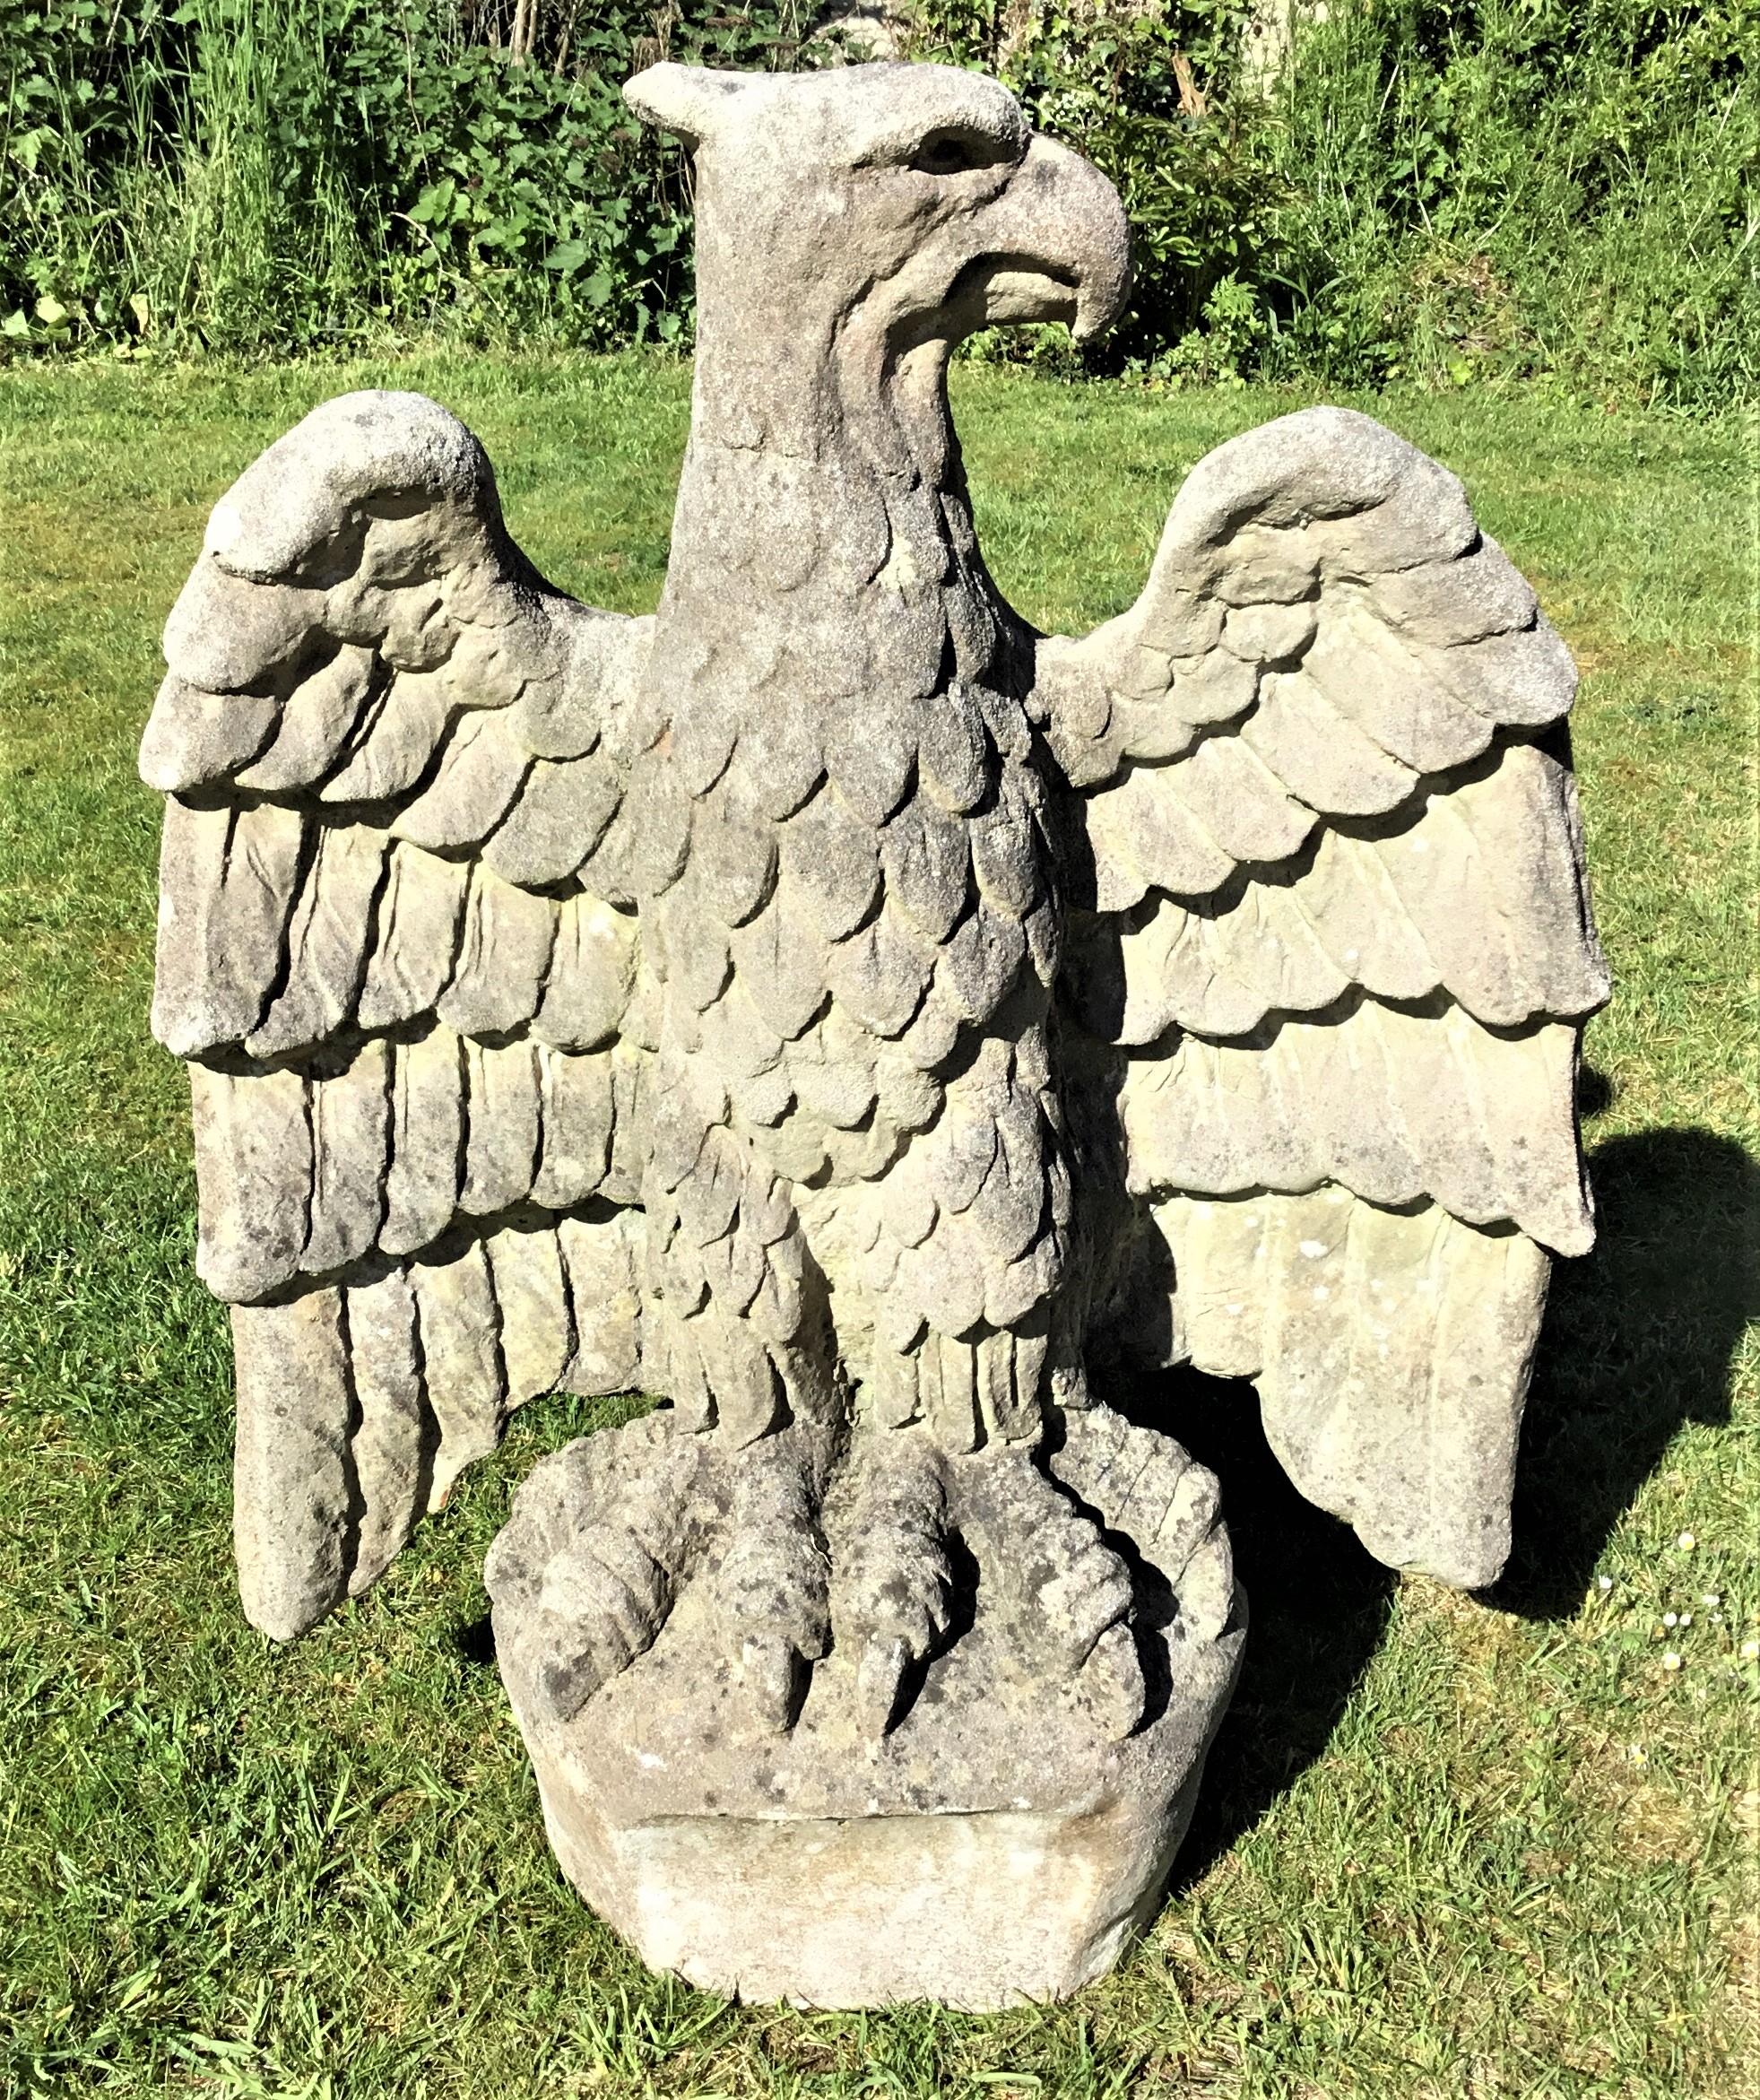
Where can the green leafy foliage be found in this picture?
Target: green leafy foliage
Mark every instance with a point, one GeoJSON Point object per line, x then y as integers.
{"type": "Point", "coordinates": [1440, 189]}
{"type": "Point", "coordinates": [1523, 187]}
{"type": "Point", "coordinates": [264, 174]}
{"type": "Point", "coordinates": [1446, 190]}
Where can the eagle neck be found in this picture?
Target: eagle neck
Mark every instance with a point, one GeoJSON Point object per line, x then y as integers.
{"type": "Point", "coordinates": [822, 491]}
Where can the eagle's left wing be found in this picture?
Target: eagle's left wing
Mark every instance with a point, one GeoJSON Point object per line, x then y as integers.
{"type": "Point", "coordinates": [1337, 929]}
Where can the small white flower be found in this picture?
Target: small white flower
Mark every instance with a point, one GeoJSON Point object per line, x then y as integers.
{"type": "Point", "coordinates": [1669, 1618]}
{"type": "Point", "coordinates": [1671, 1661]}
{"type": "Point", "coordinates": [1686, 1618]}
{"type": "Point", "coordinates": [1635, 1752]}
{"type": "Point", "coordinates": [1710, 1597]}
{"type": "Point", "coordinates": [1751, 1651]}
{"type": "Point", "coordinates": [1687, 1541]}
{"type": "Point", "coordinates": [1605, 1584]}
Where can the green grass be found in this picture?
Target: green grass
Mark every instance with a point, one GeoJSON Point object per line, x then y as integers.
{"type": "Point", "coordinates": [1447, 1846]}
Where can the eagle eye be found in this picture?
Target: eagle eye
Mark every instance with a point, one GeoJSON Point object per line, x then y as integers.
{"type": "Point", "coordinates": [952, 152]}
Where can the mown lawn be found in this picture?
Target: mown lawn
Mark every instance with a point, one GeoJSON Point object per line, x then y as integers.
{"type": "Point", "coordinates": [1450, 1847]}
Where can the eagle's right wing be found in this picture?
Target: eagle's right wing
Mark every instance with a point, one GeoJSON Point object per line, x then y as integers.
{"type": "Point", "coordinates": [396, 945]}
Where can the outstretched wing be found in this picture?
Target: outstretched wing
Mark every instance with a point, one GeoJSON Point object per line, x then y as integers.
{"type": "Point", "coordinates": [1337, 927]}
{"type": "Point", "coordinates": [396, 945]}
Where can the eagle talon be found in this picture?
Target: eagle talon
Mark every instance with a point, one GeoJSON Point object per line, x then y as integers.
{"type": "Point", "coordinates": [1070, 1596]}
{"type": "Point", "coordinates": [771, 1589]}
{"type": "Point", "coordinates": [600, 1563]}
{"type": "Point", "coordinates": [775, 1674]}
{"type": "Point", "coordinates": [880, 1679]}
{"type": "Point", "coordinates": [893, 1587]}
{"type": "Point", "coordinates": [1088, 1599]}
{"type": "Point", "coordinates": [1110, 1683]}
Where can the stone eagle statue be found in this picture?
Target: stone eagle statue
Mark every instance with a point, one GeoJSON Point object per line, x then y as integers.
{"type": "Point", "coordinates": [839, 1009]}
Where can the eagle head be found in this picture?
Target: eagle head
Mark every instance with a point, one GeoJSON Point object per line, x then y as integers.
{"type": "Point", "coordinates": [915, 201]}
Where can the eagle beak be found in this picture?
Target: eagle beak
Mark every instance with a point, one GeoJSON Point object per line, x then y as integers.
{"type": "Point", "coordinates": [1055, 244]}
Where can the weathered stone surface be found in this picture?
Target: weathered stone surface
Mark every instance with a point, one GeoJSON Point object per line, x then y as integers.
{"type": "Point", "coordinates": [996, 1837]}
{"type": "Point", "coordinates": [292, 1471]}
{"type": "Point", "coordinates": [861, 1020]}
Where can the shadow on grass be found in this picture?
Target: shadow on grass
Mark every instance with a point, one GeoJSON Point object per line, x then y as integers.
{"type": "Point", "coordinates": [1639, 1339]}
{"type": "Point", "coordinates": [1317, 1607]}
{"type": "Point", "coordinates": [475, 1642]}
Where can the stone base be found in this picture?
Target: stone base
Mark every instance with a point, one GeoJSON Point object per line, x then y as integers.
{"type": "Point", "coordinates": [992, 1847]}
